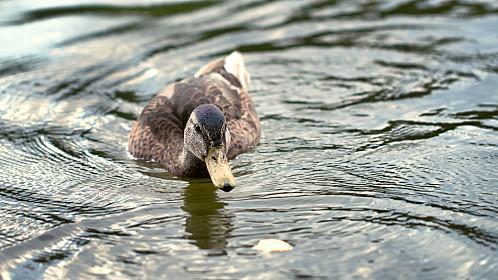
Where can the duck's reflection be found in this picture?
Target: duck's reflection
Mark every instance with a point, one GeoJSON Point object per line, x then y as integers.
{"type": "Point", "coordinates": [208, 224]}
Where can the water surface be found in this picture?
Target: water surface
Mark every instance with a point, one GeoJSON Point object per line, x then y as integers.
{"type": "Point", "coordinates": [378, 158]}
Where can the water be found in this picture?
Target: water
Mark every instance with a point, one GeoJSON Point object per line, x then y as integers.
{"type": "Point", "coordinates": [378, 159]}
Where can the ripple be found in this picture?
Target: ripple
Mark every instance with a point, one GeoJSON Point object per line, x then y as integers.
{"type": "Point", "coordinates": [378, 151]}
{"type": "Point", "coordinates": [152, 10]}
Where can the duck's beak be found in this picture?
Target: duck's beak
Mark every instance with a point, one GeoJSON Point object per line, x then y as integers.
{"type": "Point", "coordinates": [219, 169]}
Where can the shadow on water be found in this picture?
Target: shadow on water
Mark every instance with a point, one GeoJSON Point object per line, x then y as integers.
{"type": "Point", "coordinates": [208, 223]}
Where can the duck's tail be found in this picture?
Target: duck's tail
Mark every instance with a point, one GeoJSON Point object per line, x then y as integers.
{"type": "Point", "coordinates": [233, 64]}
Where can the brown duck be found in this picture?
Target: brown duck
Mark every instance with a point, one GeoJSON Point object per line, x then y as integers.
{"type": "Point", "coordinates": [193, 127]}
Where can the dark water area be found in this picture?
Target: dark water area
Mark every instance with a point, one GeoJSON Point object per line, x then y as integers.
{"type": "Point", "coordinates": [378, 159]}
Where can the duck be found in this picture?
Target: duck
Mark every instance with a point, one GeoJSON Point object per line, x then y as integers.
{"type": "Point", "coordinates": [194, 127]}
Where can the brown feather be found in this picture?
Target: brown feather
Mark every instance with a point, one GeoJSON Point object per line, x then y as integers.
{"type": "Point", "coordinates": [158, 133]}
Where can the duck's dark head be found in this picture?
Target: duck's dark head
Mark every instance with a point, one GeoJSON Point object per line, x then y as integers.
{"type": "Point", "coordinates": [206, 136]}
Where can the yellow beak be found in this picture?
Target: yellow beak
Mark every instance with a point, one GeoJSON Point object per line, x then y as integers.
{"type": "Point", "coordinates": [219, 169]}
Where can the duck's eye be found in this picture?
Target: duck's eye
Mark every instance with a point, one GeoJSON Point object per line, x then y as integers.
{"type": "Point", "coordinates": [197, 128]}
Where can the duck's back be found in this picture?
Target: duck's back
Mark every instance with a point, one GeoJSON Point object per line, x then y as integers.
{"type": "Point", "coordinates": [158, 132]}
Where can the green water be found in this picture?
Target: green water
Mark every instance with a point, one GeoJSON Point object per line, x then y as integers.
{"type": "Point", "coordinates": [378, 158]}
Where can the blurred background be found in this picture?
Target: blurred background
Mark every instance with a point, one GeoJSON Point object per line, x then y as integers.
{"type": "Point", "coordinates": [378, 159]}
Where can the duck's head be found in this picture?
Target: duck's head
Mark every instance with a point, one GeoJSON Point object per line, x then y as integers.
{"type": "Point", "coordinates": [206, 136]}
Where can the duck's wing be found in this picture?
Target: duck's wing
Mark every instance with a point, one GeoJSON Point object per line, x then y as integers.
{"type": "Point", "coordinates": [236, 104]}
{"type": "Point", "coordinates": [158, 134]}
{"type": "Point", "coordinates": [245, 131]}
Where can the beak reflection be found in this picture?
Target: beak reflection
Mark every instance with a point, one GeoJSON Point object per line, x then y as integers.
{"type": "Point", "coordinates": [219, 169]}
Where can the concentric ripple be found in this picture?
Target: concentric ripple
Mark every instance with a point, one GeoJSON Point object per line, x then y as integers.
{"type": "Point", "coordinates": [378, 157]}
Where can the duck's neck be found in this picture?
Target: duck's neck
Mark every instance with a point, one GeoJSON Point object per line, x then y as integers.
{"type": "Point", "coordinates": [192, 166]}
{"type": "Point", "coordinates": [180, 162]}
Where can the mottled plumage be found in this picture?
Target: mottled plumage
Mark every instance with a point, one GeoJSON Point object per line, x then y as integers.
{"type": "Point", "coordinates": [158, 134]}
